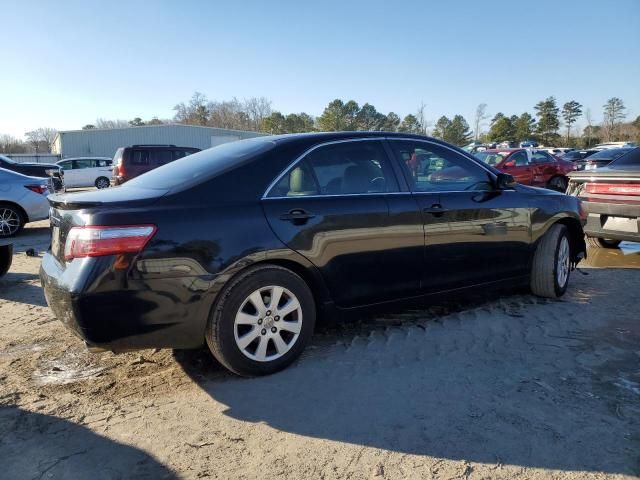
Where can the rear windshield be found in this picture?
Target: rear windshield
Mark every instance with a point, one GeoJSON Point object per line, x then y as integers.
{"type": "Point", "coordinates": [609, 154]}
{"type": "Point", "coordinates": [201, 166]}
{"type": "Point", "coordinates": [631, 159]}
{"type": "Point", "coordinates": [117, 158]}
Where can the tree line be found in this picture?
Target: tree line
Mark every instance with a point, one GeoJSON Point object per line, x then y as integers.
{"type": "Point", "coordinates": [550, 124]}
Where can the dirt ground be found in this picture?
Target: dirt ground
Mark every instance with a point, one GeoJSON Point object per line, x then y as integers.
{"type": "Point", "coordinates": [508, 387]}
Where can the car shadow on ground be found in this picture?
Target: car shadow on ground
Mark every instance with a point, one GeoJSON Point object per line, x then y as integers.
{"type": "Point", "coordinates": [18, 287]}
{"type": "Point", "coordinates": [462, 388]}
{"type": "Point", "coordinates": [34, 445]}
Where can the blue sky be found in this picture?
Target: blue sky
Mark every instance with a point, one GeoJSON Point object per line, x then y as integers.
{"type": "Point", "coordinates": [66, 63]}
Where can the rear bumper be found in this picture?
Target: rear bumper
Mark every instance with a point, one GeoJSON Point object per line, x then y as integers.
{"type": "Point", "coordinates": [601, 221]}
{"type": "Point", "coordinates": [110, 310]}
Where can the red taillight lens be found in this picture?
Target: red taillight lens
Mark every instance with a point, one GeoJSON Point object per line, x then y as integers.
{"type": "Point", "coordinates": [613, 188]}
{"type": "Point", "coordinates": [100, 241]}
{"type": "Point", "coordinates": [38, 188]}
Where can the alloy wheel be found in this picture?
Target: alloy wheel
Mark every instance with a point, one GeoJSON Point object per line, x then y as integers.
{"type": "Point", "coordinates": [102, 183]}
{"type": "Point", "coordinates": [9, 222]}
{"type": "Point", "coordinates": [562, 265]}
{"type": "Point", "coordinates": [268, 323]}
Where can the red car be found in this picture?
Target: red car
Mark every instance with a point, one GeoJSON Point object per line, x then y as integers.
{"type": "Point", "coordinates": [530, 167]}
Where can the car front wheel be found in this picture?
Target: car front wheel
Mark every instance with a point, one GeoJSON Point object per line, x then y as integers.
{"type": "Point", "coordinates": [552, 263]}
{"type": "Point", "coordinates": [262, 321]}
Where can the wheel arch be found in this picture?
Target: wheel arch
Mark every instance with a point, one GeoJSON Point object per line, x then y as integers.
{"type": "Point", "coordinates": [576, 237]}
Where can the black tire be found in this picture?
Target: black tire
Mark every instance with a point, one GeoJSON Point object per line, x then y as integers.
{"type": "Point", "coordinates": [6, 256]}
{"type": "Point", "coordinates": [15, 213]}
{"type": "Point", "coordinates": [559, 184]}
{"type": "Point", "coordinates": [102, 182]}
{"type": "Point", "coordinates": [220, 331]}
{"type": "Point", "coordinates": [603, 242]}
{"type": "Point", "coordinates": [544, 271]}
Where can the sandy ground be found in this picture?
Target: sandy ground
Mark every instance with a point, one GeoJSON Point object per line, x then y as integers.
{"type": "Point", "coordinates": [511, 387]}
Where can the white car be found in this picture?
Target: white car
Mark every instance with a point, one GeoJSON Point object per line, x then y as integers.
{"type": "Point", "coordinates": [86, 171]}
{"type": "Point", "coordinates": [23, 199]}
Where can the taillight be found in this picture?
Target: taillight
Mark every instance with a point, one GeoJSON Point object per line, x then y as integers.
{"type": "Point", "coordinates": [582, 210]}
{"type": "Point", "coordinates": [97, 241]}
{"type": "Point", "coordinates": [613, 188]}
{"type": "Point", "coordinates": [121, 170]}
{"type": "Point", "coordinates": [38, 188]}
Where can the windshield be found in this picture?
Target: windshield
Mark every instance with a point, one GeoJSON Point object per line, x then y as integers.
{"type": "Point", "coordinates": [490, 158]}
{"type": "Point", "coordinates": [610, 154]}
{"type": "Point", "coordinates": [202, 165]}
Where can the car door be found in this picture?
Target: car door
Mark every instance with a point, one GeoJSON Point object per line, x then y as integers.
{"type": "Point", "coordinates": [518, 165]}
{"type": "Point", "coordinates": [333, 207]}
{"type": "Point", "coordinates": [473, 232]}
{"type": "Point", "coordinates": [70, 174]}
{"type": "Point", "coordinates": [545, 167]}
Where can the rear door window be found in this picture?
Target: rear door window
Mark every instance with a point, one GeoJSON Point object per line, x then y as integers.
{"type": "Point", "coordinates": [346, 168]}
{"type": "Point", "coordinates": [84, 163]}
{"type": "Point", "coordinates": [160, 157]}
{"type": "Point", "coordinates": [541, 157]}
{"type": "Point", "coordinates": [140, 157]}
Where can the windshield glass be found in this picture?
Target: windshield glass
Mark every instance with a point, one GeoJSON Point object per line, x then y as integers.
{"type": "Point", "coordinates": [201, 166]}
{"type": "Point", "coordinates": [490, 158]}
{"type": "Point", "coordinates": [610, 154]}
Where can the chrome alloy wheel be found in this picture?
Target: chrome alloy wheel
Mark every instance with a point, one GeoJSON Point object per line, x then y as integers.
{"type": "Point", "coordinates": [9, 222]}
{"type": "Point", "coordinates": [562, 265]}
{"type": "Point", "coordinates": [268, 323]}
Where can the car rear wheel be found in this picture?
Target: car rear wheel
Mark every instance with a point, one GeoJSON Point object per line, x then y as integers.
{"type": "Point", "coordinates": [552, 263]}
{"type": "Point", "coordinates": [559, 184]}
{"type": "Point", "coordinates": [6, 255]}
{"type": "Point", "coordinates": [11, 220]}
{"type": "Point", "coordinates": [599, 242]}
{"type": "Point", "coordinates": [102, 182]}
{"type": "Point", "coordinates": [262, 321]}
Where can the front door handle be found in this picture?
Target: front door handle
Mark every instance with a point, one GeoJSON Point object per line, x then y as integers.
{"type": "Point", "coordinates": [436, 210]}
{"type": "Point", "coordinates": [297, 216]}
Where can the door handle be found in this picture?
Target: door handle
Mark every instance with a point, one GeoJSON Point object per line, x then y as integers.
{"type": "Point", "coordinates": [436, 210]}
{"type": "Point", "coordinates": [297, 216]}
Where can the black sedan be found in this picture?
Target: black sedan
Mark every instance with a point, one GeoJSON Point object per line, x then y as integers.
{"type": "Point", "coordinates": [611, 197]}
{"type": "Point", "coordinates": [240, 246]}
{"type": "Point", "coordinates": [42, 170]}
{"type": "Point", "coordinates": [601, 158]}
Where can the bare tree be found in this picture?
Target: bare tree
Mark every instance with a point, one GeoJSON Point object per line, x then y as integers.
{"type": "Point", "coordinates": [102, 123]}
{"type": "Point", "coordinates": [481, 116]}
{"type": "Point", "coordinates": [589, 119]}
{"type": "Point", "coordinates": [422, 120]}
{"type": "Point", "coordinates": [10, 144]}
{"type": "Point", "coordinates": [258, 109]}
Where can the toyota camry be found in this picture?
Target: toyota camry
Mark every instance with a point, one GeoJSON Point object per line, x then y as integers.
{"type": "Point", "coordinates": [242, 246]}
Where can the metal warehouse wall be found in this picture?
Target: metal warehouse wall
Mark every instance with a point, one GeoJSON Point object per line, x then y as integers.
{"type": "Point", "coordinates": [33, 157]}
{"type": "Point", "coordinates": [105, 142]}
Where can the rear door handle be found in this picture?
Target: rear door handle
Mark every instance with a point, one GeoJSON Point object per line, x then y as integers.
{"type": "Point", "coordinates": [436, 210]}
{"type": "Point", "coordinates": [297, 216]}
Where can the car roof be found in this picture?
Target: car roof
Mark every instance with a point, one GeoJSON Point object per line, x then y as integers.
{"type": "Point", "coordinates": [502, 150]}
{"type": "Point", "coordinates": [84, 158]}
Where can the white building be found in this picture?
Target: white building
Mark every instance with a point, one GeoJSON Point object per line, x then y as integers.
{"type": "Point", "coordinates": [99, 142]}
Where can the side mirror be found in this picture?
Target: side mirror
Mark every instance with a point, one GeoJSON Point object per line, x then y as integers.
{"type": "Point", "coordinates": [510, 164]}
{"type": "Point", "coordinates": [504, 181]}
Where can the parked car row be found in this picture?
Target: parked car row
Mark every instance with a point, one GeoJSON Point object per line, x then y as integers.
{"type": "Point", "coordinates": [23, 199]}
{"type": "Point", "coordinates": [537, 168]}
{"type": "Point", "coordinates": [41, 170]}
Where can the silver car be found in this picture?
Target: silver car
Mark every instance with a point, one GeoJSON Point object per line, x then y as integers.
{"type": "Point", "coordinates": [23, 199]}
